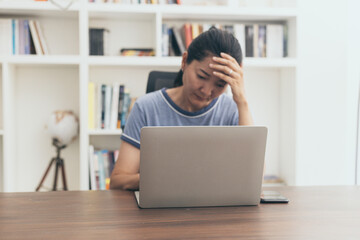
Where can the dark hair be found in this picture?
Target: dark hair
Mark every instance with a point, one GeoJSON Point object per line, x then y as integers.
{"type": "Point", "coordinates": [212, 42]}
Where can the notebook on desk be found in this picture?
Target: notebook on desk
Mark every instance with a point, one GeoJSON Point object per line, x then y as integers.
{"type": "Point", "coordinates": [201, 166]}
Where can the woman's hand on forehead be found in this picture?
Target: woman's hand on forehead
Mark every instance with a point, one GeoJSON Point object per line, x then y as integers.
{"type": "Point", "coordinates": [229, 70]}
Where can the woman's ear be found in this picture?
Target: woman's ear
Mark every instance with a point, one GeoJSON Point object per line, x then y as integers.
{"type": "Point", "coordinates": [183, 61]}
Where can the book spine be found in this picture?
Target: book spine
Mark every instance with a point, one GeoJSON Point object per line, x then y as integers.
{"type": "Point", "coordinates": [114, 106]}
{"type": "Point", "coordinates": [108, 98]}
{"type": "Point", "coordinates": [21, 27]}
{"type": "Point", "coordinates": [125, 108]}
{"type": "Point", "coordinates": [41, 38]}
{"type": "Point", "coordinates": [120, 106]}
{"type": "Point", "coordinates": [103, 91]}
{"type": "Point", "coordinates": [256, 40]}
{"type": "Point", "coordinates": [188, 34]}
{"type": "Point", "coordinates": [91, 105]}
{"type": "Point", "coordinates": [35, 37]}
{"type": "Point", "coordinates": [27, 37]}
{"type": "Point", "coordinates": [13, 22]}
{"type": "Point", "coordinates": [249, 42]}
{"type": "Point", "coordinates": [165, 40]}
{"type": "Point", "coordinates": [102, 185]}
{"type": "Point", "coordinates": [92, 173]}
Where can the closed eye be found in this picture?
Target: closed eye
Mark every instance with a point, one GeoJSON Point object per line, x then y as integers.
{"type": "Point", "coordinates": [201, 77]}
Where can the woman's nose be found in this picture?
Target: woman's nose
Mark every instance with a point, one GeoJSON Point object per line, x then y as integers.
{"type": "Point", "coordinates": [206, 90]}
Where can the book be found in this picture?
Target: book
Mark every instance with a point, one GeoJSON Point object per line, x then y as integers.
{"type": "Point", "coordinates": [101, 170]}
{"type": "Point", "coordinates": [274, 39]}
{"type": "Point", "coordinates": [120, 105]}
{"type": "Point", "coordinates": [174, 44]}
{"type": "Point", "coordinates": [187, 34]}
{"type": "Point", "coordinates": [195, 30]}
{"type": "Point", "coordinates": [137, 52]}
{"type": "Point", "coordinates": [239, 32]}
{"type": "Point", "coordinates": [41, 38]}
{"type": "Point", "coordinates": [27, 37]}
{"type": "Point", "coordinates": [179, 39]}
{"type": "Point", "coordinates": [91, 105]}
{"type": "Point", "coordinates": [6, 37]}
{"type": "Point", "coordinates": [262, 41]}
{"type": "Point", "coordinates": [103, 91]}
{"type": "Point", "coordinates": [108, 100]}
{"type": "Point", "coordinates": [98, 106]}
{"type": "Point", "coordinates": [98, 41]}
{"type": "Point", "coordinates": [35, 37]}
{"type": "Point", "coordinates": [114, 106]}
{"type": "Point", "coordinates": [21, 37]}
{"type": "Point", "coordinates": [92, 176]}
{"type": "Point", "coordinates": [125, 107]}
{"type": "Point", "coordinates": [96, 171]}
{"type": "Point", "coordinates": [255, 40]}
{"type": "Point", "coordinates": [165, 40]}
{"type": "Point", "coordinates": [249, 41]}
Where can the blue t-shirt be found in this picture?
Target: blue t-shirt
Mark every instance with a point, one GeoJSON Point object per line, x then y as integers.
{"type": "Point", "coordinates": [157, 109]}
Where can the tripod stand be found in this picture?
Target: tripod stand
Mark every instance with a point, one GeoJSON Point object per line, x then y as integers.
{"type": "Point", "coordinates": [59, 164]}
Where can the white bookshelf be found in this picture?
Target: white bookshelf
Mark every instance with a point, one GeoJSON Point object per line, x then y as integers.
{"type": "Point", "coordinates": [34, 86]}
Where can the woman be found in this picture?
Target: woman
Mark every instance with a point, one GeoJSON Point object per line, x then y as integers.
{"type": "Point", "coordinates": [213, 61]}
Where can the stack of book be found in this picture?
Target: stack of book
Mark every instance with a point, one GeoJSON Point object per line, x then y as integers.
{"type": "Point", "coordinates": [101, 164]}
{"type": "Point", "coordinates": [21, 36]}
{"type": "Point", "coordinates": [138, 1]}
{"type": "Point", "coordinates": [98, 41]}
{"type": "Point", "coordinates": [256, 40]}
{"type": "Point", "coordinates": [137, 52]}
{"type": "Point", "coordinates": [108, 106]}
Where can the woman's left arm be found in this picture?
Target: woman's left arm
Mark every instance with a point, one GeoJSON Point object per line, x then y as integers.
{"type": "Point", "coordinates": [231, 72]}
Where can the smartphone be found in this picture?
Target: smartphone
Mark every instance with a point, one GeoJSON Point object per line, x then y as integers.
{"type": "Point", "coordinates": [272, 197]}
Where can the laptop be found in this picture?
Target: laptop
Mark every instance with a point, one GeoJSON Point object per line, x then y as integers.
{"type": "Point", "coordinates": [201, 166]}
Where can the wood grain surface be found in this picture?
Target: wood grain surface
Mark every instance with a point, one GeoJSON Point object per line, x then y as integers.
{"type": "Point", "coordinates": [312, 213]}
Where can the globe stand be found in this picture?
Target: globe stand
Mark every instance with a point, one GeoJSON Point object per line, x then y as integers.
{"type": "Point", "coordinates": [59, 164]}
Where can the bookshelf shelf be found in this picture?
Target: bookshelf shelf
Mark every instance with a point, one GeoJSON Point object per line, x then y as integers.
{"type": "Point", "coordinates": [134, 61]}
{"type": "Point", "coordinates": [37, 9]}
{"type": "Point", "coordinates": [41, 60]}
{"type": "Point", "coordinates": [102, 132]}
{"type": "Point", "coordinates": [195, 12]}
{"type": "Point", "coordinates": [176, 61]}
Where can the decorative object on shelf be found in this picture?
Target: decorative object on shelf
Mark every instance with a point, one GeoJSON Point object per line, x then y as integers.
{"type": "Point", "coordinates": [63, 127]}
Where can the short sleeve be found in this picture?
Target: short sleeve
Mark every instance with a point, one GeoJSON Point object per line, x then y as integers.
{"type": "Point", "coordinates": [134, 123]}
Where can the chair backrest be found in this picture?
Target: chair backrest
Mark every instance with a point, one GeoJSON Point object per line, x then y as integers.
{"type": "Point", "coordinates": [158, 80]}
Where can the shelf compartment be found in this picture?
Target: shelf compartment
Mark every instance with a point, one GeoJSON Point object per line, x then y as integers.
{"type": "Point", "coordinates": [39, 92]}
{"type": "Point", "coordinates": [47, 9]}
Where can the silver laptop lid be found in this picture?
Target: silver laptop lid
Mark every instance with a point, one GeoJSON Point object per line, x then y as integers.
{"type": "Point", "coordinates": [201, 166]}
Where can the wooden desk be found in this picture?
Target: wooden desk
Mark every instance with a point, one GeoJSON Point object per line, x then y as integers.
{"type": "Point", "coordinates": [313, 213]}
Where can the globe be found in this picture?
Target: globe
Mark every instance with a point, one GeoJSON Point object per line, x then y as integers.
{"type": "Point", "coordinates": [63, 126]}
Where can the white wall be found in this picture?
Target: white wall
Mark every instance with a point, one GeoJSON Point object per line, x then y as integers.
{"type": "Point", "coordinates": [324, 155]}
{"type": "Point", "coordinates": [353, 48]}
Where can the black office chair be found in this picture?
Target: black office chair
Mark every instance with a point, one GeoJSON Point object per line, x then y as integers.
{"type": "Point", "coordinates": [158, 80]}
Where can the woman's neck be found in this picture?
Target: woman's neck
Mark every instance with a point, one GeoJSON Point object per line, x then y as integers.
{"type": "Point", "coordinates": [178, 96]}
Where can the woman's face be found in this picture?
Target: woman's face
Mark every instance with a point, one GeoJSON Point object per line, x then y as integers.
{"type": "Point", "coordinates": [200, 85]}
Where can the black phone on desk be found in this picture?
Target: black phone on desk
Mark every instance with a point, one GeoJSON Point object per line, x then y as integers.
{"type": "Point", "coordinates": [272, 197]}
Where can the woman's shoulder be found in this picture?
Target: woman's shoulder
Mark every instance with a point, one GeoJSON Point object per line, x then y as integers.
{"type": "Point", "coordinates": [149, 98]}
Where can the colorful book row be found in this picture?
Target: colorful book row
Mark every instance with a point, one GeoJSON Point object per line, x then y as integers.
{"type": "Point", "coordinates": [108, 106]}
{"type": "Point", "coordinates": [138, 1]}
{"type": "Point", "coordinates": [101, 164]}
{"type": "Point", "coordinates": [256, 40]}
{"type": "Point", "coordinates": [21, 37]}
